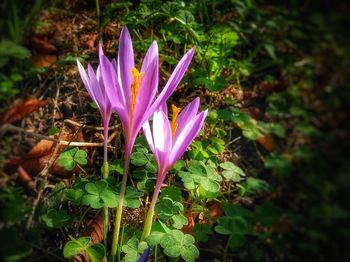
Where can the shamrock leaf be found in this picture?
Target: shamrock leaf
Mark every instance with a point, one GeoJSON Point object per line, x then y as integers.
{"type": "Point", "coordinates": [70, 158]}
{"type": "Point", "coordinates": [203, 177]}
{"type": "Point", "coordinates": [133, 249]}
{"type": "Point", "coordinates": [232, 172]}
{"type": "Point", "coordinates": [75, 195]}
{"type": "Point", "coordinates": [179, 221]}
{"type": "Point", "coordinates": [176, 243]}
{"type": "Point", "coordinates": [75, 247]}
{"type": "Point", "coordinates": [167, 208]}
{"type": "Point", "coordinates": [202, 231]}
{"type": "Point", "coordinates": [56, 218]}
{"type": "Point", "coordinates": [99, 194]}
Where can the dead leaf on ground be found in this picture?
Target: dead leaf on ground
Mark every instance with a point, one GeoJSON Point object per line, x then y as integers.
{"type": "Point", "coordinates": [25, 179]}
{"type": "Point", "coordinates": [44, 60]}
{"type": "Point", "coordinates": [216, 211]}
{"type": "Point", "coordinates": [91, 41]}
{"type": "Point", "coordinates": [37, 158]}
{"type": "Point", "coordinates": [95, 231]}
{"type": "Point", "coordinates": [42, 46]}
{"type": "Point", "coordinates": [20, 111]}
{"type": "Point", "coordinates": [188, 229]}
{"type": "Point", "coordinates": [267, 142]}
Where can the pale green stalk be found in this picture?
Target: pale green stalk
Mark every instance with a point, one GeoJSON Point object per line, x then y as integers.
{"type": "Point", "coordinates": [149, 218]}
{"type": "Point", "coordinates": [105, 172]}
{"type": "Point", "coordinates": [119, 210]}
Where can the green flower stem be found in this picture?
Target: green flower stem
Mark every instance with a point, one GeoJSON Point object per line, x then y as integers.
{"type": "Point", "coordinates": [149, 218]}
{"type": "Point", "coordinates": [105, 173]}
{"type": "Point", "coordinates": [119, 210]}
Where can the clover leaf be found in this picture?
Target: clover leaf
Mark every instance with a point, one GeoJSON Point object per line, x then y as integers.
{"type": "Point", "coordinates": [167, 208]}
{"type": "Point", "coordinates": [99, 194]}
{"type": "Point", "coordinates": [203, 177]}
{"type": "Point", "coordinates": [133, 249]}
{"type": "Point", "coordinates": [75, 247]}
{"type": "Point", "coordinates": [176, 243]}
{"type": "Point", "coordinates": [70, 158]}
{"type": "Point", "coordinates": [56, 218]}
{"type": "Point", "coordinates": [231, 171]}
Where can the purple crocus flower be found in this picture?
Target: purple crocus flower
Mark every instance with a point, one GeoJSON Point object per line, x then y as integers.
{"type": "Point", "coordinates": [97, 91]}
{"type": "Point", "coordinates": [168, 142]}
{"type": "Point", "coordinates": [132, 92]}
{"type": "Point", "coordinates": [132, 95]}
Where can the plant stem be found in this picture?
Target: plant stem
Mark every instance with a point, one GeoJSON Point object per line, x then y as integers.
{"type": "Point", "coordinates": [98, 13]}
{"type": "Point", "coordinates": [149, 218]}
{"type": "Point", "coordinates": [119, 210]}
{"type": "Point", "coordinates": [105, 172]}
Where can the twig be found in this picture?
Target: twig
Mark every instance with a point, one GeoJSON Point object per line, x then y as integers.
{"type": "Point", "coordinates": [69, 121]}
{"type": "Point", "coordinates": [10, 127]}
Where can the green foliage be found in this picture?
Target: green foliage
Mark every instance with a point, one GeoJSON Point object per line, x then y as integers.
{"type": "Point", "coordinates": [13, 247]}
{"type": "Point", "coordinates": [236, 223]}
{"type": "Point", "coordinates": [72, 157]}
{"type": "Point", "coordinates": [99, 194]}
{"type": "Point", "coordinates": [14, 206]}
{"type": "Point", "coordinates": [174, 242]}
{"type": "Point", "coordinates": [202, 232]}
{"type": "Point", "coordinates": [202, 178]}
{"type": "Point", "coordinates": [232, 172]}
{"type": "Point", "coordinates": [56, 218]}
{"type": "Point", "coordinates": [74, 247]}
{"type": "Point", "coordinates": [133, 249]}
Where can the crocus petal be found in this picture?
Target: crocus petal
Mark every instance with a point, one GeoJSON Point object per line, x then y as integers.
{"type": "Point", "coordinates": [173, 81]}
{"type": "Point", "coordinates": [86, 80]}
{"type": "Point", "coordinates": [149, 138]}
{"type": "Point", "coordinates": [125, 63]}
{"type": "Point", "coordinates": [152, 53]}
{"type": "Point", "coordinates": [186, 115]}
{"type": "Point", "coordinates": [186, 136]}
{"type": "Point", "coordinates": [146, 93]}
{"type": "Point", "coordinates": [162, 138]}
{"type": "Point", "coordinates": [96, 88]}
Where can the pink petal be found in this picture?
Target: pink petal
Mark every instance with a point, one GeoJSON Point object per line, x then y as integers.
{"type": "Point", "coordinates": [186, 137]}
{"type": "Point", "coordinates": [186, 115]}
{"type": "Point", "coordinates": [162, 138]}
{"type": "Point", "coordinates": [173, 81]}
{"type": "Point", "coordinates": [146, 94]}
{"type": "Point", "coordinates": [125, 64]}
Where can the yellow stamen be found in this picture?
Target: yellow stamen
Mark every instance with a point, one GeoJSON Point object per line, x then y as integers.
{"type": "Point", "coordinates": [135, 86]}
{"type": "Point", "coordinates": [174, 124]}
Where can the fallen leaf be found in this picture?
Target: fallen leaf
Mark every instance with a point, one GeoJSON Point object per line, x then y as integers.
{"type": "Point", "coordinates": [95, 231]}
{"type": "Point", "coordinates": [188, 229]}
{"type": "Point", "coordinates": [44, 60]}
{"type": "Point", "coordinates": [267, 142]}
{"type": "Point", "coordinates": [91, 41]}
{"type": "Point", "coordinates": [37, 158]}
{"type": "Point", "coordinates": [25, 179]}
{"type": "Point", "coordinates": [20, 111]}
{"type": "Point", "coordinates": [216, 211]}
{"type": "Point", "coordinates": [42, 46]}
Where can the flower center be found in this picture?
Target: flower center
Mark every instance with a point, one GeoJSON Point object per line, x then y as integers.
{"type": "Point", "coordinates": [135, 86]}
{"type": "Point", "coordinates": [174, 124]}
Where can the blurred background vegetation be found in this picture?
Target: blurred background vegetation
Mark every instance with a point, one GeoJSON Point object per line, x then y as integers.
{"type": "Point", "coordinates": [275, 77]}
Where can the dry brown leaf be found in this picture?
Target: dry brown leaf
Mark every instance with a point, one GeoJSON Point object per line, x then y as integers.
{"type": "Point", "coordinates": [38, 157]}
{"type": "Point", "coordinates": [267, 142]}
{"type": "Point", "coordinates": [188, 229]}
{"type": "Point", "coordinates": [42, 46]}
{"type": "Point", "coordinates": [216, 211]}
{"type": "Point", "coordinates": [95, 231]}
{"type": "Point", "coordinates": [91, 41]}
{"type": "Point", "coordinates": [44, 60]}
{"type": "Point", "coordinates": [25, 179]}
{"type": "Point", "coordinates": [20, 111]}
